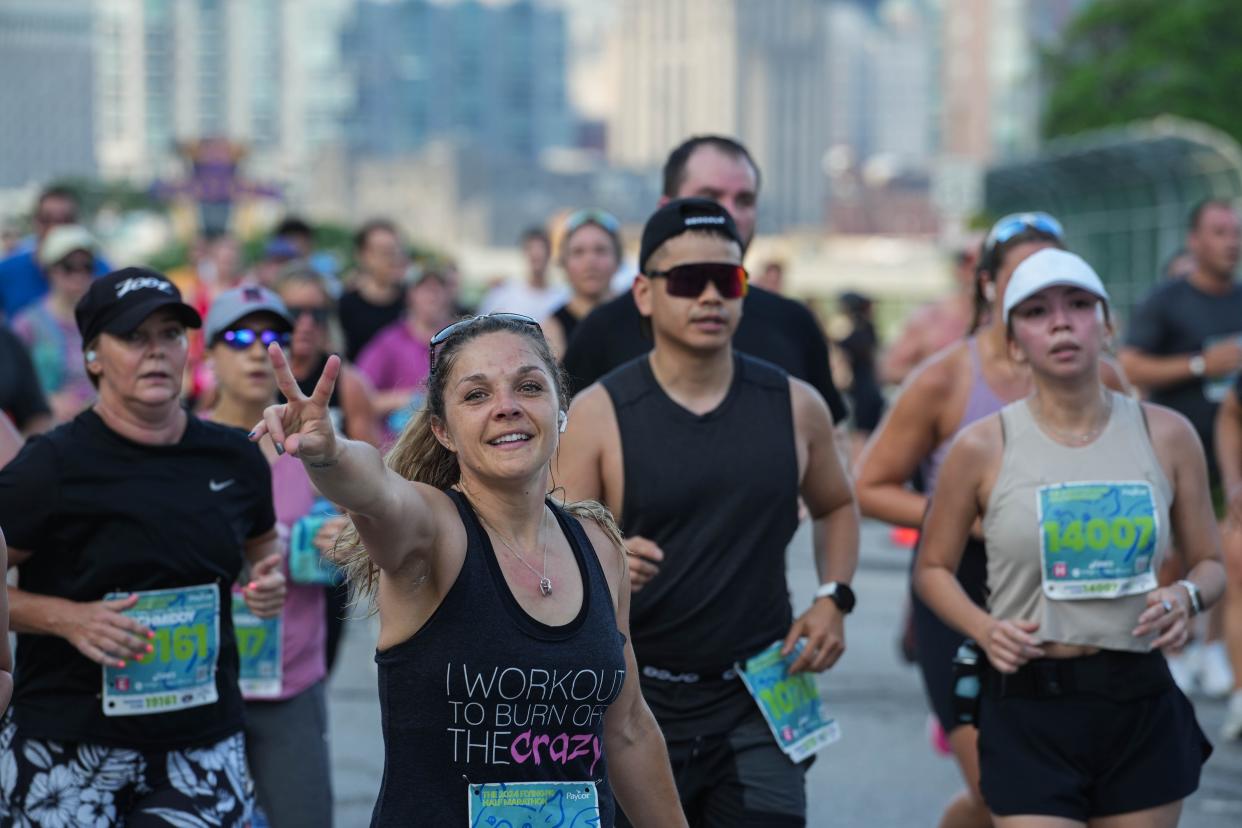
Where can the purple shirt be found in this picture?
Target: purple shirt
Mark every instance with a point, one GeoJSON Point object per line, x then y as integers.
{"type": "Point", "coordinates": [394, 359]}
{"type": "Point", "coordinates": [303, 636]}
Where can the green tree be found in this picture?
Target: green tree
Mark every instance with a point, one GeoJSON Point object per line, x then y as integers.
{"type": "Point", "coordinates": [1126, 60]}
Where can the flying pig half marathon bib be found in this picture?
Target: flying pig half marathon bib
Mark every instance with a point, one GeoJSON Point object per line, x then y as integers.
{"type": "Point", "coordinates": [791, 704]}
{"type": "Point", "coordinates": [258, 651]}
{"type": "Point", "coordinates": [519, 804]}
{"type": "Point", "coordinates": [1097, 539]}
{"type": "Point", "coordinates": [181, 671]}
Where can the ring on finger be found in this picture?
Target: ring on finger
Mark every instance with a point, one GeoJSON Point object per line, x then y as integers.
{"type": "Point", "coordinates": [1168, 605]}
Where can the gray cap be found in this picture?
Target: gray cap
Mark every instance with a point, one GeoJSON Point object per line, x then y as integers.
{"type": "Point", "coordinates": [240, 302]}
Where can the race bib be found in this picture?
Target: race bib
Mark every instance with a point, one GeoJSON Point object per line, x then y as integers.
{"type": "Point", "coordinates": [791, 704]}
{"type": "Point", "coordinates": [1097, 540]}
{"type": "Point", "coordinates": [181, 671]}
{"type": "Point", "coordinates": [497, 804]}
{"type": "Point", "coordinates": [258, 650]}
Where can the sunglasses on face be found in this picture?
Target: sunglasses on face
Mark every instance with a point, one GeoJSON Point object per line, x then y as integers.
{"type": "Point", "coordinates": [1012, 225]}
{"type": "Point", "coordinates": [448, 332]}
{"type": "Point", "coordinates": [77, 267]}
{"type": "Point", "coordinates": [688, 281]}
{"type": "Point", "coordinates": [319, 315]}
{"type": "Point", "coordinates": [239, 339]}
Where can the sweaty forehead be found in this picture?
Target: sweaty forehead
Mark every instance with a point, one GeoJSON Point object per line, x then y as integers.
{"type": "Point", "coordinates": [495, 356]}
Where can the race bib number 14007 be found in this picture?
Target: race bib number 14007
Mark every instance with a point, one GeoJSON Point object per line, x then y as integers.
{"type": "Point", "coordinates": [1098, 539]}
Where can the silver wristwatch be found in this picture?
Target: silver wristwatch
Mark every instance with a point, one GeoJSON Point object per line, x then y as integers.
{"type": "Point", "coordinates": [1198, 365]}
{"type": "Point", "coordinates": [1196, 599]}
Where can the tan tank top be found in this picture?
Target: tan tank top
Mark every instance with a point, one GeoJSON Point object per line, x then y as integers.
{"type": "Point", "coordinates": [1075, 534]}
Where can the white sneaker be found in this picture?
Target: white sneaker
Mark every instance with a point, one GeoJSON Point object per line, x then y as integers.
{"type": "Point", "coordinates": [1232, 728]}
{"type": "Point", "coordinates": [1215, 674]}
{"type": "Point", "coordinates": [1182, 666]}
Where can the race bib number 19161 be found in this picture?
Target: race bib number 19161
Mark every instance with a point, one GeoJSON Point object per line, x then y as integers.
{"type": "Point", "coordinates": [181, 671]}
{"type": "Point", "coordinates": [1098, 539]}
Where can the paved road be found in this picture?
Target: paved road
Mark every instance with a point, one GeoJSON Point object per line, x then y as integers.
{"type": "Point", "coordinates": [882, 772]}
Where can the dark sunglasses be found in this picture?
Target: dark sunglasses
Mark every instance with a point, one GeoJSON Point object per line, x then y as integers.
{"type": "Point", "coordinates": [688, 281]}
{"type": "Point", "coordinates": [580, 217]}
{"type": "Point", "coordinates": [239, 339]}
{"type": "Point", "coordinates": [1016, 223]}
{"type": "Point", "coordinates": [320, 315]}
{"type": "Point", "coordinates": [449, 331]}
{"type": "Point", "coordinates": [77, 267]}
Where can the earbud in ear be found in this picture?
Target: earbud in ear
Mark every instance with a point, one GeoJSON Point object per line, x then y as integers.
{"type": "Point", "coordinates": [562, 421]}
{"type": "Point", "coordinates": [989, 291]}
{"type": "Point", "coordinates": [90, 356]}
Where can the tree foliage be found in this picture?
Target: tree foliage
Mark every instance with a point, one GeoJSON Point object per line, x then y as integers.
{"type": "Point", "coordinates": [1127, 60]}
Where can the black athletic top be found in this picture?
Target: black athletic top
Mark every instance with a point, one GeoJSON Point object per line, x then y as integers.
{"type": "Point", "coordinates": [102, 514]}
{"type": "Point", "coordinates": [568, 321]}
{"type": "Point", "coordinates": [484, 693]}
{"type": "Point", "coordinates": [773, 328]}
{"type": "Point", "coordinates": [718, 493]}
{"type": "Point", "coordinates": [361, 320]}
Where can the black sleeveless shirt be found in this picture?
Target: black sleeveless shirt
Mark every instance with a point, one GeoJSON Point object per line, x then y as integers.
{"type": "Point", "coordinates": [568, 321]}
{"type": "Point", "coordinates": [484, 693]}
{"type": "Point", "coordinates": [718, 493]}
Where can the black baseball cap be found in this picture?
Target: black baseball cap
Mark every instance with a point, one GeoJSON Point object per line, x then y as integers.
{"type": "Point", "coordinates": [119, 302]}
{"type": "Point", "coordinates": [682, 215]}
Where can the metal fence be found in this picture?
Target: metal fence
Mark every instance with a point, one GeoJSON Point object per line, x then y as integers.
{"type": "Point", "coordinates": [1124, 195]}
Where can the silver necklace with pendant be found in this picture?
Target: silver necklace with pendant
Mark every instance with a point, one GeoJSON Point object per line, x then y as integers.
{"type": "Point", "coordinates": [1079, 439]}
{"type": "Point", "coordinates": [545, 583]}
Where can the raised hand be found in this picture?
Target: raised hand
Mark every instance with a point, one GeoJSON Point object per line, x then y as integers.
{"type": "Point", "coordinates": [302, 426]}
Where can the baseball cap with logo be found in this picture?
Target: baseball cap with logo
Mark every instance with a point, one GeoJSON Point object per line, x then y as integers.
{"type": "Point", "coordinates": [1047, 268]}
{"type": "Point", "coordinates": [64, 239]}
{"type": "Point", "coordinates": [240, 302]}
{"type": "Point", "coordinates": [119, 302]}
{"type": "Point", "coordinates": [681, 216]}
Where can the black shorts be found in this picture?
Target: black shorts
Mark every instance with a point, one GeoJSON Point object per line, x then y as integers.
{"type": "Point", "coordinates": [739, 779]}
{"type": "Point", "coordinates": [1084, 754]}
{"type": "Point", "coordinates": [935, 643]}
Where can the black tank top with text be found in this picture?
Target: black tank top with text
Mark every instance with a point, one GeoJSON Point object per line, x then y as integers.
{"type": "Point", "coordinates": [718, 493]}
{"type": "Point", "coordinates": [483, 694]}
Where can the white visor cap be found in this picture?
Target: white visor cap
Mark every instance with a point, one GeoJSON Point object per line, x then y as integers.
{"type": "Point", "coordinates": [1048, 268]}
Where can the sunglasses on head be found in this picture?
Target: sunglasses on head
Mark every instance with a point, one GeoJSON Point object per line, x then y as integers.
{"type": "Point", "coordinates": [580, 217]}
{"type": "Point", "coordinates": [688, 281]}
{"type": "Point", "coordinates": [240, 339]}
{"type": "Point", "coordinates": [1011, 225]}
{"type": "Point", "coordinates": [449, 331]}
{"type": "Point", "coordinates": [320, 315]}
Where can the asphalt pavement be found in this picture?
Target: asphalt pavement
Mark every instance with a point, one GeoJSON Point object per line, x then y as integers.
{"type": "Point", "coordinates": [883, 771]}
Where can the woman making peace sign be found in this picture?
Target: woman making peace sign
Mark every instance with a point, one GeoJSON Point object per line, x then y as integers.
{"type": "Point", "coordinates": [506, 678]}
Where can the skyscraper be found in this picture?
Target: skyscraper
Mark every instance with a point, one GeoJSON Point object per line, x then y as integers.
{"type": "Point", "coordinates": [47, 107]}
{"type": "Point", "coordinates": [492, 75]}
{"type": "Point", "coordinates": [754, 69]}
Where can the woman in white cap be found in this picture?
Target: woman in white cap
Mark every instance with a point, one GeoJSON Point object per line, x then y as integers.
{"type": "Point", "coordinates": [129, 525]}
{"type": "Point", "coordinates": [47, 327]}
{"type": "Point", "coordinates": [282, 659]}
{"type": "Point", "coordinates": [1080, 491]}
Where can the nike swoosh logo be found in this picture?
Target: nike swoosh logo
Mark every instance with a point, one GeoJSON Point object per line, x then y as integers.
{"type": "Point", "coordinates": [219, 487]}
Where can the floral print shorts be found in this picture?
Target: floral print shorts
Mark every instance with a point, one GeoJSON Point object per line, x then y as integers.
{"type": "Point", "coordinates": [74, 785]}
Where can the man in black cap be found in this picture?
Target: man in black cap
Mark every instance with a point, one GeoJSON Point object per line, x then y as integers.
{"type": "Point", "coordinates": [777, 329]}
{"type": "Point", "coordinates": [702, 453]}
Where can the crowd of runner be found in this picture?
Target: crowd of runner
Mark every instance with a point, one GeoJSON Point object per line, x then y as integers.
{"type": "Point", "coordinates": [569, 508]}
